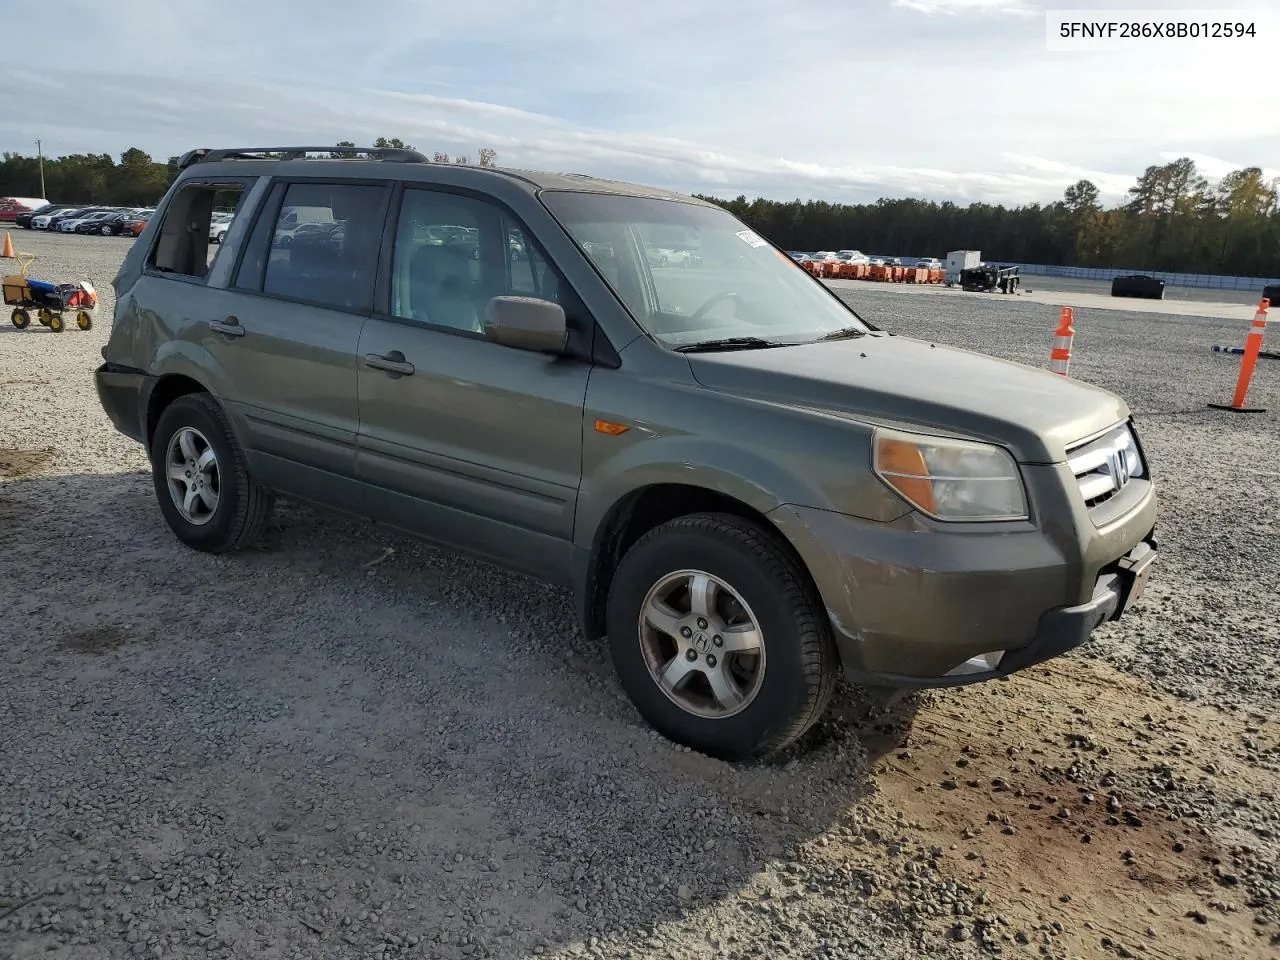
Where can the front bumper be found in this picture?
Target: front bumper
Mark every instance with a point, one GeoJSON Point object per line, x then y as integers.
{"type": "Point", "coordinates": [1059, 630]}
{"type": "Point", "coordinates": [913, 605]}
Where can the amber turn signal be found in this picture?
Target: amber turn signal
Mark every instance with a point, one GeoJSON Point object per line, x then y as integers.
{"type": "Point", "coordinates": [611, 428]}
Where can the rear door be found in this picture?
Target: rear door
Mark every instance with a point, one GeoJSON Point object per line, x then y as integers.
{"type": "Point", "coordinates": [272, 331]}
{"type": "Point", "coordinates": [464, 441]}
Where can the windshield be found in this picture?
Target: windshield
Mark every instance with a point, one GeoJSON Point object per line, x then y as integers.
{"type": "Point", "coordinates": [691, 273]}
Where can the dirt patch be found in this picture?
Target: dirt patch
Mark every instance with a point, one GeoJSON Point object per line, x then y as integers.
{"type": "Point", "coordinates": [22, 463]}
{"type": "Point", "coordinates": [96, 641]}
{"type": "Point", "coordinates": [1079, 804]}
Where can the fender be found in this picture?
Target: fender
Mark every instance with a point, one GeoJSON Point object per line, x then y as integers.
{"type": "Point", "coordinates": [192, 361]}
{"type": "Point", "coordinates": [718, 466]}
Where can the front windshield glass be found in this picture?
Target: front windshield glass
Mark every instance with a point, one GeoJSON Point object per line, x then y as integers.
{"type": "Point", "coordinates": [690, 273]}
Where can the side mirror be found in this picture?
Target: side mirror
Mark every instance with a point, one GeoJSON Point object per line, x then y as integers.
{"type": "Point", "coordinates": [526, 323]}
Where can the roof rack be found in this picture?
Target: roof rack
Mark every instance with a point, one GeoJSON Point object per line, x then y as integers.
{"type": "Point", "coordinates": [205, 155]}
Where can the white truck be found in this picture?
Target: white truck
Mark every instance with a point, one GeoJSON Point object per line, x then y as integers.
{"type": "Point", "coordinates": [958, 261]}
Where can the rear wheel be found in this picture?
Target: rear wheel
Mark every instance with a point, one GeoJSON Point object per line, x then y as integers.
{"type": "Point", "coordinates": [201, 478]}
{"type": "Point", "coordinates": [20, 318]}
{"type": "Point", "coordinates": [718, 639]}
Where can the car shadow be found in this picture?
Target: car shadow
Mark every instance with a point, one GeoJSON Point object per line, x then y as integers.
{"type": "Point", "coordinates": [373, 742]}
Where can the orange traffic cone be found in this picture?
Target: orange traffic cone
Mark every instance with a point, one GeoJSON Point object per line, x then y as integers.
{"type": "Point", "coordinates": [8, 253]}
{"type": "Point", "coordinates": [1060, 356]}
{"type": "Point", "coordinates": [1252, 347]}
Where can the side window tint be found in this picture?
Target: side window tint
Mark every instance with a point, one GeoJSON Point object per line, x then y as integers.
{"type": "Point", "coordinates": [323, 245]}
{"type": "Point", "coordinates": [184, 246]}
{"type": "Point", "coordinates": [454, 253]}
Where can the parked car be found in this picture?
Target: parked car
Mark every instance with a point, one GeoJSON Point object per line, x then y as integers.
{"type": "Point", "coordinates": [746, 486]}
{"type": "Point", "coordinates": [103, 223]}
{"type": "Point", "coordinates": [132, 224]}
{"type": "Point", "coordinates": [121, 223]}
{"type": "Point", "coordinates": [851, 256]}
{"type": "Point", "coordinates": [23, 220]}
{"type": "Point", "coordinates": [41, 221]}
{"type": "Point", "coordinates": [55, 222]}
{"type": "Point", "coordinates": [13, 207]}
{"type": "Point", "coordinates": [219, 225]}
{"type": "Point", "coordinates": [89, 223]}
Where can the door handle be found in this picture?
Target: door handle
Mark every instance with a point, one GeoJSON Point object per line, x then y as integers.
{"type": "Point", "coordinates": [231, 327]}
{"type": "Point", "coordinates": [395, 363]}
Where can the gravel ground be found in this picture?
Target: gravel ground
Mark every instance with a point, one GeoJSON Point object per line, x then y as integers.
{"type": "Point", "coordinates": [347, 744]}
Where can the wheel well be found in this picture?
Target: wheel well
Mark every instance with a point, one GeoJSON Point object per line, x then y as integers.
{"type": "Point", "coordinates": [639, 512]}
{"type": "Point", "coordinates": [167, 390]}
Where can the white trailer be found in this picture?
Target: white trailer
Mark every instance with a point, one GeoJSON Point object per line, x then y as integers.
{"type": "Point", "coordinates": [958, 260]}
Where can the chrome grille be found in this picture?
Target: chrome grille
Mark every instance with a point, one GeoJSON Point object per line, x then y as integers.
{"type": "Point", "coordinates": [1106, 465]}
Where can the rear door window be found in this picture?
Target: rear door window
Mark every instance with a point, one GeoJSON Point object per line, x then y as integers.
{"type": "Point", "coordinates": [318, 243]}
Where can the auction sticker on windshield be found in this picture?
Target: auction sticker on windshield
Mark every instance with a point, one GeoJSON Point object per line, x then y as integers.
{"type": "Point", "coordinates": [750, 238]}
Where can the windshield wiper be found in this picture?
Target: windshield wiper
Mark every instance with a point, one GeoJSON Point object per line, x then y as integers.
{"type": "Point", "coordinates": [844, 333]}
{"type": "Point", "coordinates": [728, 343]}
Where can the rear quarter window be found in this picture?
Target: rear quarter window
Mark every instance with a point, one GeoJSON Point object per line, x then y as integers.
{"type": "Point", "coordinates": [182, 248]}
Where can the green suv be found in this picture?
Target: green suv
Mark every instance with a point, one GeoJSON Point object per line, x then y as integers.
{"type": "Point", "coordinates": [627, 392]}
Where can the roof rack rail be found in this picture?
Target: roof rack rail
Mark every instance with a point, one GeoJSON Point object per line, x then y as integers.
{"type": "Point", "coordinates": [205, 155]}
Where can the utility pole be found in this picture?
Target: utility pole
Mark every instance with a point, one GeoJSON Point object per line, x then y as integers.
{"type": "Point", "coordinates": [40, 154]}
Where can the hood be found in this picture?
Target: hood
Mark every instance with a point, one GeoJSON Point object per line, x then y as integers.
{"type": "Point", "coordinates": [912, 383]}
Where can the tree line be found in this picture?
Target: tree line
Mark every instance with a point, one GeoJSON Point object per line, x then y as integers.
{"type": "Point", "coordinates": [1173, 218]}
{"type": "Point", "coordinates": [136, 180]}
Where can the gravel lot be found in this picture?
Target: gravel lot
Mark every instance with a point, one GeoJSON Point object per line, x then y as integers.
{"type": "Point", "coordinates": [346, 744]}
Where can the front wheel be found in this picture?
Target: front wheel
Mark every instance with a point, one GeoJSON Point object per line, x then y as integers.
{"type": "Point", "coordinates": [718, 638]}
{"type": "Point", "coordinates": [202, 480]}
{"type": "Point", "coordinates": [84, 321]}
{"type": "Point", "coordinates": [56, 323]}
{"type": "Point", "coordinates": [107, 231]}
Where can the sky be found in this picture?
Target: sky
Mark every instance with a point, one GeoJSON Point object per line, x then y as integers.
{"type": "Point", "coordinates": [841, 100]}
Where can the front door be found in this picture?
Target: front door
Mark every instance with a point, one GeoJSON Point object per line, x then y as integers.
{"type": "Point", "coordinates": [473, 444]}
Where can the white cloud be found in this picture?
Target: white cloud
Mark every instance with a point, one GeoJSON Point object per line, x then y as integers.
{"type": "Point", "coordinates": [951, 7]}
{"type": "Point", "coordinates": [1215, 167]}
{"type": "Point", "coordinates": [841, 102]}
{"type": "Point", "coordinates": [1110, 185]}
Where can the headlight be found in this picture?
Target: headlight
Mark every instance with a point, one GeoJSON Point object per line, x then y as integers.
{"type": "Point", "coordinates": [951, 479]}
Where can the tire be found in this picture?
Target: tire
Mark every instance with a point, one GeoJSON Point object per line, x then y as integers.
{"type": "Point", "coordinates": [84, 321]}
{"type": "Point", "coordinates": [20, 318]}
{"type": "Point", "coordinates": [106, 231]}
{"type": "Point", "coordinates": [793, 677]}
{"type": "Point", "coordinates": [56, 323]}
{"type": "Point", "coordinates": [242, 506]}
